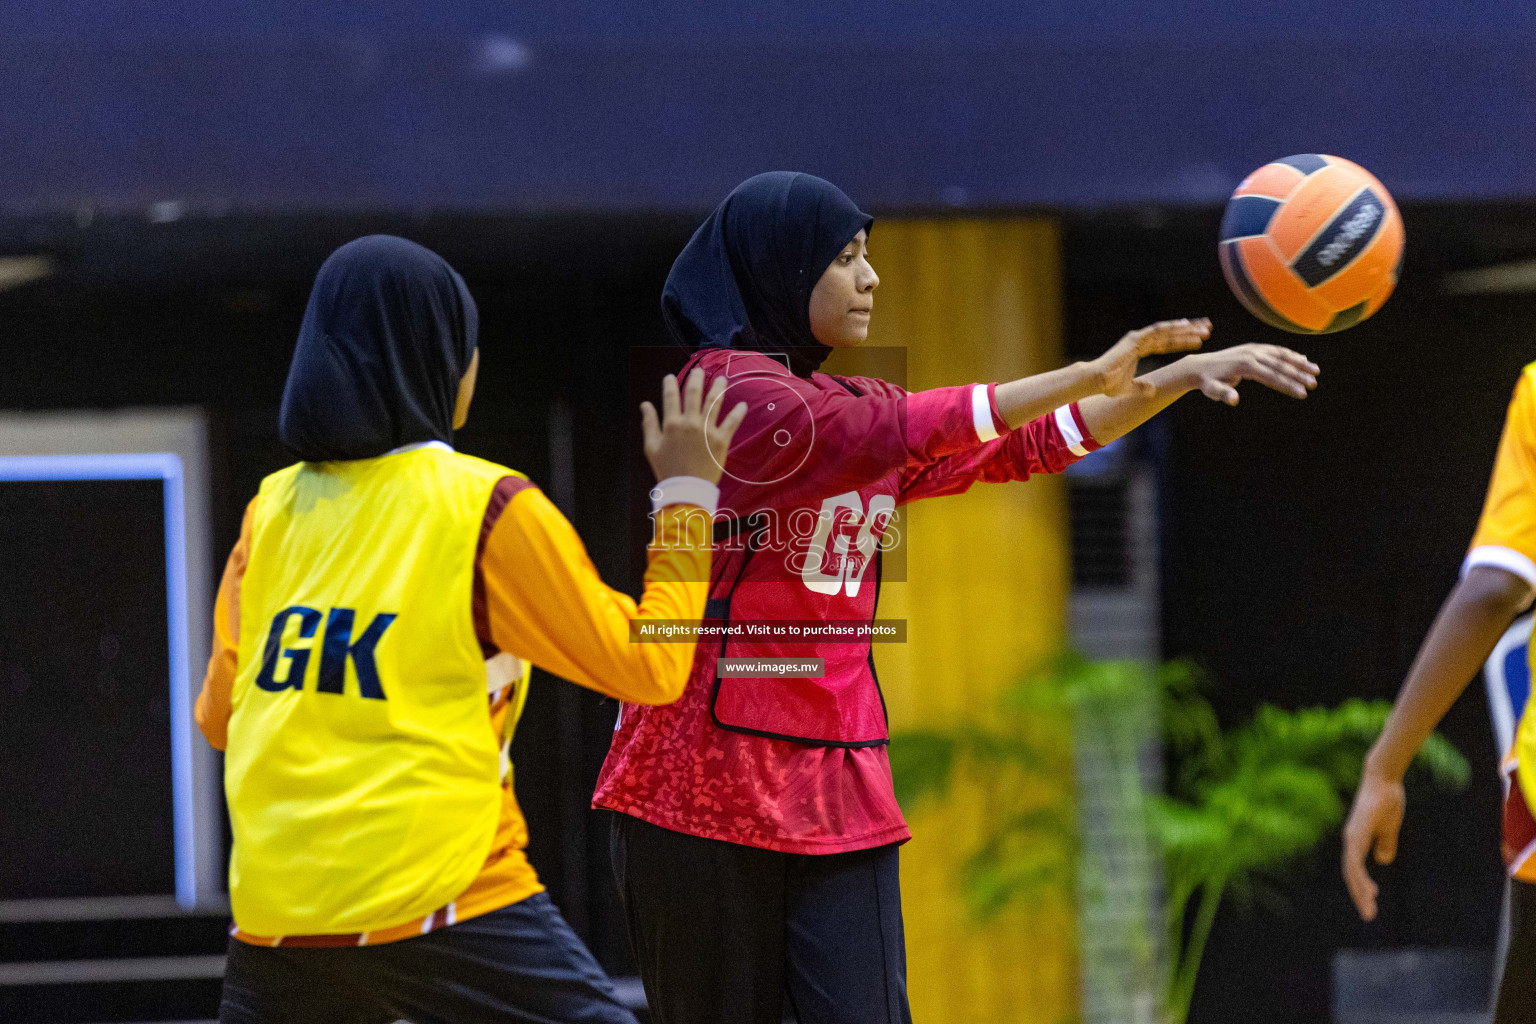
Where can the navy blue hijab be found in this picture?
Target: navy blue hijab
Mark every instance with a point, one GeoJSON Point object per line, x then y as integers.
{"type": "Point", "coordinates": [388, 333]}
{"type": "Point", "coordinates": [744, 279]}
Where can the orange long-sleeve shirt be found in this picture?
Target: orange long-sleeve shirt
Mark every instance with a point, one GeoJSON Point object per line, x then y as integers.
{"type": "Point", "coordinates": [539, 598]}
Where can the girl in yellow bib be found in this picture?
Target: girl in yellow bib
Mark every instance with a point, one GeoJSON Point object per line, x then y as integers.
{"type": "Point", "coordinates": [374, 632]}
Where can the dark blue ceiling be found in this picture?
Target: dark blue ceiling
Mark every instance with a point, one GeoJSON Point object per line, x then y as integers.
{"type": "Point", "coordinates": [764, 20]}
{"type": "Point", "coordinates": [661, 105]}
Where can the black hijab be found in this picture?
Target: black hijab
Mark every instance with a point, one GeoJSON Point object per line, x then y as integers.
{"type": "Point", "coordinates": [388, 333]}
{"type": "Point", "coordinates": [744, 279]}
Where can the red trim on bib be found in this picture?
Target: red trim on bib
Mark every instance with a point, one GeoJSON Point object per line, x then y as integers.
{"type": "Point", "coordinates": [507, 488]}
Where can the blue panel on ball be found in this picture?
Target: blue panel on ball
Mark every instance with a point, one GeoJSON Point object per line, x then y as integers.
{"type": "Point", "coordinates": [1247, 215]}
{"type": "Point", "coordinates": [1306, 163]}
{"type": "Point", "coordinates": [1345, 318]}
{"type": "Point", "coordinates": [1345, 237]}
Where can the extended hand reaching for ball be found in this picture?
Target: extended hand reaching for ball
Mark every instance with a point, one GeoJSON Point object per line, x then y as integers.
{"type": "Point", "coordinates": [1117, 367]}
{"type": "Point", "coordinates": [1214, 374]}
{"type": "Point", "coordinates": [691, 438]}
{"type": "Point", "coordinates": [1217, 374]}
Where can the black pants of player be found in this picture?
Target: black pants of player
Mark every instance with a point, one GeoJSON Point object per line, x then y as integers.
{"type": "Point", "coordinates": [727, 934]}
{"type": "Point", "coordinates": [519, 964]}
{"type": "Point", "coordinates": [1516, 1002]}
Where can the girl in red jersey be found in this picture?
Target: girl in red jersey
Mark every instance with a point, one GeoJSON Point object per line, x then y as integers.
{"type": "Point", "coordinates": [756, 848]}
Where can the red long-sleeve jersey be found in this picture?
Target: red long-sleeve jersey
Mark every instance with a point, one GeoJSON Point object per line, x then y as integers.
{"type": "Point", "coordinates": [813, 477]}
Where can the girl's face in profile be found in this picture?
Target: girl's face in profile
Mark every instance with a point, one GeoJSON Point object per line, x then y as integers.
{"type": "Point", "coordinates": [844, 298]}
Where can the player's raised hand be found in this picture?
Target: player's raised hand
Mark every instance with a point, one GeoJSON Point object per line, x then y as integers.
{"type": "Point", "coordinates": [1373, 824]}
{"type": "Point", "coordinates": [1117, 367]}
{"type": "Point", "coordinates": [691, 439]}
{"type": "Point", "coordinates": [1281, 369]}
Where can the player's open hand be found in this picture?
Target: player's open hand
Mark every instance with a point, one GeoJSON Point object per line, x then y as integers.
{"type": "Point", "coordinates": [1281, 369]}
{"type": "Point", "coordinates": [1372, 827]}
{"type": "Point", "coordinates": [1117, 367]}
{"type": "Point", "coordinates": [691, 439]}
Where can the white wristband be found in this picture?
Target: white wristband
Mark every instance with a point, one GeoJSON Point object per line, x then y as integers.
{"type": "Point", "coordinates": [685, 490]}
{"type": "Point", "coordinates": [981, 414]}
{"type": "Point", "coordinates": [1070, 435]}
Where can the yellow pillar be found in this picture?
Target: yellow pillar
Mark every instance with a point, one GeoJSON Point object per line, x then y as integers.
{"type": "Point", "coordinates": [985, 598]}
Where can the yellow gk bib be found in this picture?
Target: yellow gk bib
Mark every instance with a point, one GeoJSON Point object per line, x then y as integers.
{"type": "Point", "coordinates": [362, 773]}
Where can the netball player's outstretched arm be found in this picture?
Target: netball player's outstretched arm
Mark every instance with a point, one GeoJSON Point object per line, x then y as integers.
{"type": "Point", "coordinates": [1113, 373]}
{"type": "Point", "coordinates": [1214, 374]}
{"type": "Point", "coordinates": [843, 300]}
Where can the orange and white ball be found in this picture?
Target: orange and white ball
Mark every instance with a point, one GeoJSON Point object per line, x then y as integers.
{"type": "Point", "coordinates": [1311, 244]}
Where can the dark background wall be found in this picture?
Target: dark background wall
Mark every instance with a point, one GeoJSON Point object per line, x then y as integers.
{"type": "Point", "coordinates": [83, 620]}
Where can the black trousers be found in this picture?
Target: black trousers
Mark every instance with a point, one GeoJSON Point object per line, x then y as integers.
{"type": "Point", "coordinates": [521, 964]}
{"type": "Point", "coordinates": [1516, 1002]}
{"type": "Point", "coordinates": [727, 934]}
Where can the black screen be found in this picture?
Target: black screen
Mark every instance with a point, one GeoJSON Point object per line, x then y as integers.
{"type": "Point", "coordinates": [85, 726]}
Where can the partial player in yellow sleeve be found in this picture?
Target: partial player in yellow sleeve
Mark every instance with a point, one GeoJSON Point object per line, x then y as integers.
{"type": "Point", "coordinates": [1498, 581]}
{"type": "Point", "coordinates": [374, 632]}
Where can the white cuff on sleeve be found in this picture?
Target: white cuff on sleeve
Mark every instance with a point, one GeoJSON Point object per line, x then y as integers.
{"type": "Point", "coordinates": [1508, 559]}
{"type": "Point", "coordinates": [685, 490]}
{"type": "Point", "coordinates": [1067, 424]}
{"type": "Point", "coordinates": [981, 413]}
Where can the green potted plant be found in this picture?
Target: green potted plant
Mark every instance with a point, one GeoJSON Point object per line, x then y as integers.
{"type": "Point", "coordinates": [1240, 805]}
